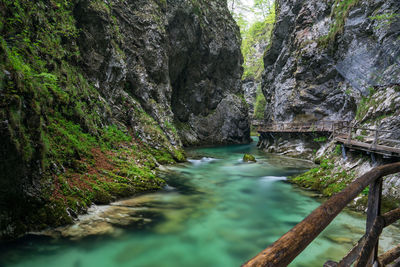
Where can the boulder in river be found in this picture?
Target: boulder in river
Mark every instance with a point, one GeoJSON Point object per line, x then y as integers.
{"type": "Point", "coordinates": [249, 158]}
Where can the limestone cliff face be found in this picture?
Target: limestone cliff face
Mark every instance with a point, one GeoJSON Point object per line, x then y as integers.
{"type": "Point", "coordinates": [334, 60]}
{"type": "Point", "coordinates": [205, 69]}
{"type": "Point", "coordinates": [180, 59]}
{"type": "Point", "coordinates": [95, 94]}
{"type": "Point", "coordinates": [328, 59]}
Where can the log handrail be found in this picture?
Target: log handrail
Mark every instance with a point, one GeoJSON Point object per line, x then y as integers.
{"type": "Point", "coordinates": [389, 256]}
{"type": "Point", "coordinates": [373, 235]}
{"type": "Point", "coordinates": [290, 245]}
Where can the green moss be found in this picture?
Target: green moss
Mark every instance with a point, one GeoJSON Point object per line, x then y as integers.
{"type": "Point", "coordinates": [321, 139]}
{"type": "Point", "coordinates": [385, 20]}
{"type": "Point", "coordinates": [56, 116]}
{"type": "Point", "coordinates": [339, 14]}
{"type": "Point", "coordinates": [249, 158]}
{"type": "Point", "coordinates": [324, 179]}
{"type": "Point", "coordinates": [171, 127]}
{"type": "Point", "coordinates": [338, 150]}
{"type": "Point", "coordinates": [371, 101]}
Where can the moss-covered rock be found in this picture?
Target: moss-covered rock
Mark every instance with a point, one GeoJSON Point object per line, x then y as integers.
{"type": "Point", "coordinates": [249, 158]}
{"type": "Point", "coordinates": [86, 92]}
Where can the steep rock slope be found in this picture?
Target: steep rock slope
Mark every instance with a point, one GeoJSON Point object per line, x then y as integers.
{"type": "Point", "coordinates": [205, 68]}
{"type": "Point", "coordinates": [334, 60]}
{"type": "Point", "coordinates": [328, 58]}
{"type": "Point", "coordinates": [89, 93]}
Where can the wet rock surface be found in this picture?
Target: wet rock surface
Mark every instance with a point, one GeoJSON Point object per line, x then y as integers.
{"type": "Point", "coordinates": [205, 72]}
{"type": "Point", "coordinates": [328, 65]}
{"type": "Point", "coordinates": [308, 79]}
{"type": "Point", "coordinates": [135, 213]}
{"type": "Point", "coordinates": [180, 60]}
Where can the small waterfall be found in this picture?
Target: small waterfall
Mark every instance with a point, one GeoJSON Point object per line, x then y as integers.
{"type": "Point", "coordinates": [344, 153]}
{"type": "Point", "coordinates": [373, 159]}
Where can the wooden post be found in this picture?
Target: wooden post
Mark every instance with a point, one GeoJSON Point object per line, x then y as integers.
{"type": "Point", "coordinates": [333, 130]}
{"type": "Point", "coordinates": [373, 236]}
{"type": "Point", "coordinates": [375, 139]}
{"type": "Point", "coordinates": [374, 210]}
{"type": "Point", "coordinates": [349, 136]}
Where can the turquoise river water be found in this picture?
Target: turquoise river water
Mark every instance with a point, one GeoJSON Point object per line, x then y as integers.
{"type": "Point", "coordinates": [215, 211]}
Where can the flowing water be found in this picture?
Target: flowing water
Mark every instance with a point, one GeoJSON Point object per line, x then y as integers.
{"type": "Point", "coordinates": [216, 211]}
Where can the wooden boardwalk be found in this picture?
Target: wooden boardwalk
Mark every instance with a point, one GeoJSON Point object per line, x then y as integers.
{"type": "Point", "coordinates": [386, 151]}
{"type": "Point", "coordinates": [353, 138]}
{"type": "Point", "coordinates": [321, 127]}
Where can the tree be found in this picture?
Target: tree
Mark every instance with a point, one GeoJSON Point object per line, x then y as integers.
{"type": "Point", "coordinates": [264, 7]}
{"type": "Point", "coordinates": [234, 5]}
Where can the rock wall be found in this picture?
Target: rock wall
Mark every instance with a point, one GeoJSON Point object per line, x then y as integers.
{"type": "Point", "coordinates": [328, 59]}
{"type": "Point", "coordinates": [95, 94]}
{"type": "Point", "coordinates": [180, 59]}
{"type": "Point", "coordinates": [205, 72]}
{"type": "Point", "coordinates": [334, 60]}
{"type": "Point", "coordinates": [250, 86]}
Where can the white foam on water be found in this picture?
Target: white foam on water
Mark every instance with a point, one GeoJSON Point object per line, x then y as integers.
{"type": "Point", "coordinates": [273, 178]}
{"type": "Point", "coordinates": [201, 161]}
{"type": "Point", "coordinates": [167, 187]}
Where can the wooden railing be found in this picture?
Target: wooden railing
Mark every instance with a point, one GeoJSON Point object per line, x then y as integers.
{"type": "Point", "coordinates": [372, 138]}
{"type": "Point", "coordinates": [290, 245]}
{"type": "Point", "coordinates": [361, 138]}
{"type": "Point", "coordinates": [319, 126]}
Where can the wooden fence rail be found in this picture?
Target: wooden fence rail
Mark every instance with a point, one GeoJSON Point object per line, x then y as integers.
{"type": "Point", "coordinates": [290, 245]}
{"type": "Point", "coordinates": [360, 138]}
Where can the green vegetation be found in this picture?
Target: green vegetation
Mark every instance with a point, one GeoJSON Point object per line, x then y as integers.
{"type": "Point", "coordinates": [324, 179]}
{"type": "Point", "coordinates": [385, 19]}
{"type": "Point", "coordinates": [254, 33]}
{"type": "Point", "coordinates": [329, 180]}
{"type": "Point", "coordinates": [321, 139]}
{"type": "Point", "coordinates": [249, 158]}
{"type": "Point", "coordinates": [338, 150]}
{"type": "Point", "coordinates": [259, 105]}
{"type": "Point", "coordinates": [258, 33]}
{"type": "Point", "coordinates": [58, 118]}
{"type": "Point", "coordinates": [372, 101]}
{"type": "Point", "coordinates": [339, 15]}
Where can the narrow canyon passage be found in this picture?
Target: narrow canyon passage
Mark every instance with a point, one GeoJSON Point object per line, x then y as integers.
{"type": "Point", "coordinates": [215, 211]}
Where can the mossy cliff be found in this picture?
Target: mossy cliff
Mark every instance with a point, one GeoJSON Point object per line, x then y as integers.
{"type": "Point", "coordinates": [334, 60]}
{"type": "Point", "coordinates": [325, 56]}
{"type": "Point", "coordinates": [87, 103]}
